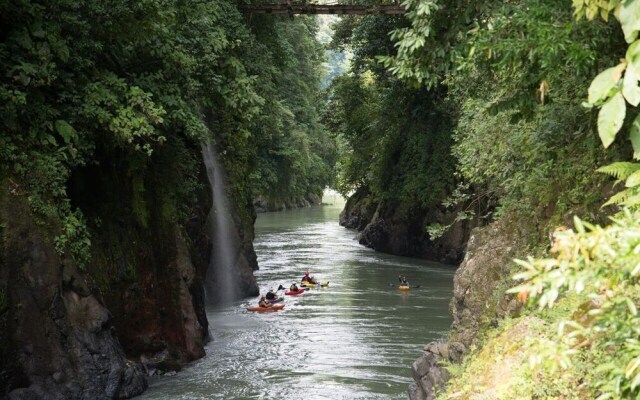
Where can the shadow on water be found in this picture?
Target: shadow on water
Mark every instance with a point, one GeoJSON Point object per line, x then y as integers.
{"type": "Point", "coordinates": [355, 339]}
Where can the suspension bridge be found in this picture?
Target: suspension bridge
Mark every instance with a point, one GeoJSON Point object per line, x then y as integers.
{"type": "Point", "coordinates": [295, 8]}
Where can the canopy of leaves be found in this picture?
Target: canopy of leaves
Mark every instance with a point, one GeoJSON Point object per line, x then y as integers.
{"type": "Point", "coordinates": [140, 85]}
{"type": "Point", "coordinates": [395, 140]}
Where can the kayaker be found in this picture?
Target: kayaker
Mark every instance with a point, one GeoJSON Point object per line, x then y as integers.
{"type": "Point", "coordinates": [263, 302]}
{"type": "Point", "coordinates": [403, 280]}
{"type": "Point", "coordinates": [293, 287]}
{"type": "Point", "coordinates": [308, 278]}
{"type": "Point", "coordinates": [271, 296]}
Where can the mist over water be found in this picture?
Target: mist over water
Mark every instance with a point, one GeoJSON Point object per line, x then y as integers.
{"type": "Point", "coordinates": [355, 339]}
{"type": "Point", "coordinates": [221, 279]}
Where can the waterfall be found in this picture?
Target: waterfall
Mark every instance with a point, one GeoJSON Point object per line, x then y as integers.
{"type": "Point", "coordinates": [222, 278]}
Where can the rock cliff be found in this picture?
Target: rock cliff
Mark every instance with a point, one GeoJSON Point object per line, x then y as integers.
{"type": "Point", "coordinates": [58, 340]}
{"type": "Point", "coordinates": [479, 301]}
{"type": "Point", "coordinates": [385, 227]}
{"type": "Point", "coordinates": [138, 306]}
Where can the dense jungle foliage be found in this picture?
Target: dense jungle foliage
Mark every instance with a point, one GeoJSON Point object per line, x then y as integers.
{"type": "Point", "coordinates": [489, 114]}
{"type": "Point", "coordinates": [395, 140]}
{"type": "Point", "coordinates": [134, 87]}
{"type": "Point", "coordinates": [517, 73]}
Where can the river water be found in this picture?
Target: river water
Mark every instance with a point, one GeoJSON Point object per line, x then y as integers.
{"type": "Point", "coordinates": [355, 339]}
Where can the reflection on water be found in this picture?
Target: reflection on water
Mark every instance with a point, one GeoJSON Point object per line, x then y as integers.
{"type": "Point", "coordinates": [355, 339]}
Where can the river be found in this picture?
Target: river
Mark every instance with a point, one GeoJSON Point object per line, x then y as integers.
{"type": "Point", "coordinates": [355, 339]}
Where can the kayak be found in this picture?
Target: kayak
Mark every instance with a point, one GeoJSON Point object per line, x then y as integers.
{"type": "Point", "coordinates": [403, 287]}
{"type": "Point", "coordinates": [309, 284]}
{"type": "Point", "coordinates": [290, 293]}
{"type": "Point", "coordinates": [266, 309]}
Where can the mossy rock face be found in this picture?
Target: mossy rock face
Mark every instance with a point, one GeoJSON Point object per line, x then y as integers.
{"type": "Point", "coordinates": [144, 266]}
{"type": "Point", "coordinates": [359, 210]}
{"type": "Point", "coordinates": [483, 277]}
{"type": "Point", "coordinates": [479, 300]}
{"type": "Point", "coordinates": [53, 324]}
{"type": "Point", "coordinates": [387, 227]}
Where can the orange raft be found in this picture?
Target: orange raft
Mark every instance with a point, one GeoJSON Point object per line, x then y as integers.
{"type": "Point", "coordinates": [403, 287]}
{"type": "Point", "coordinates": [274, 307]}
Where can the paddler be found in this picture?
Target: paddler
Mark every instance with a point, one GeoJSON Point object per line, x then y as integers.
{"type": "Point", "coordinates": [271, 297]}
{"type": "Point", "coordinates": [403, 280]}
{"type": "Point", "coordinates": [293, 287]}
{"type": "Point", "coordinates": [263, 302]}
{"type": "Point", "coordinates": [308, 278]}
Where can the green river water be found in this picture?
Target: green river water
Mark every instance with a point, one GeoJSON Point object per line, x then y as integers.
{"type": "Point", "coordinates": [355, 339]}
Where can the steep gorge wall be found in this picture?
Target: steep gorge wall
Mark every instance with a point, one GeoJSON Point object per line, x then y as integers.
{"type": "Point", "coordinates": [139, 304]}
{"type": "Point", "coordinates": [384, 227]}
{"type": "Point", "coordinates": [58, 340]}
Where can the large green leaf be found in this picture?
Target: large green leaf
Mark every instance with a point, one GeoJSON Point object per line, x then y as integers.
{"type": "Point", "coordinates": [635, 137]}
{"type": "Point", "coordinates": [604, 83]}
{"type": "Point", "coordinates": [611, 118]}
{"type": "Point", "coordinates": [633, 56]}
{"type": "Point", "coordinates": [630, 19]}
{"type": "Point", "coordinates": [630, 88]}
{"type": "Point", "coordinates": [66, 131]}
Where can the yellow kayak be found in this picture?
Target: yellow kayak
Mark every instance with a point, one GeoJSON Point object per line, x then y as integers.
{"type": "Point", "coordinates": [403, 287]}
{"type": "Point", "coordinates": [309, 284]}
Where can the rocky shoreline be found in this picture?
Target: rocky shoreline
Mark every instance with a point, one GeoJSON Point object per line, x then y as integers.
{"type": "Point", "coordinates": [385, 228]}
{"type": "Point", "coordinates": [479, 301]}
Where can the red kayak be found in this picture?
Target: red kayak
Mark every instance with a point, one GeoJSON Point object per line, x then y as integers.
{"type": "Point", "coordinates": [275, 307]}
{"type": "Point", "coordinates": [294, 293]}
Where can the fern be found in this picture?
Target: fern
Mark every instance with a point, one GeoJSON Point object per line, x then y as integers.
{"type": "Point", "coordinates": [629, 172]}
{"type": "Point", "coordinates": [633, 200]}
{"type": "Point", "coordinates": [629, 197]}
{"type": "Point", "coordinates": [618, 198]}
{"type": "Point", "coordinates": [620, 170]}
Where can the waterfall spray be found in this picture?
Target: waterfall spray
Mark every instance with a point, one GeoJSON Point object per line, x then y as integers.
{"type": "Point", "coordinates": [222, 279]}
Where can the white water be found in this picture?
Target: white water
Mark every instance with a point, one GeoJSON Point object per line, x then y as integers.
{"type": "Point", "coordinates": [221, 281]}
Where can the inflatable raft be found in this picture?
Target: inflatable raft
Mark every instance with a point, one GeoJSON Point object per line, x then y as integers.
{"type": "Point", "coordinates": [294, 293]}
